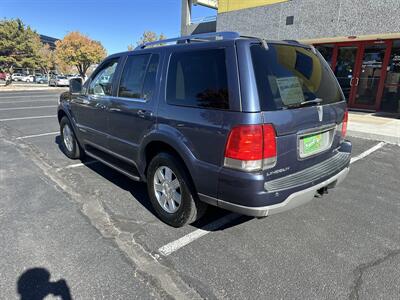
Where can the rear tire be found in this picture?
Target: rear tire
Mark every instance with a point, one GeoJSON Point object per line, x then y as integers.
{"type": "Point", "coordinates": [185, 211]}
{"type": "Point", "coordinates": [69, 143]}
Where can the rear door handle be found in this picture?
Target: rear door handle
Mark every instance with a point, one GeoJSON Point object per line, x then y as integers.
{"type": "Point", "coordinates": [144, 113]}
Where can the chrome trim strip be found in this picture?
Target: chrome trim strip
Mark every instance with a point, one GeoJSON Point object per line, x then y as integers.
{"type": "Point", "coordinates": [84, 128]}
{"type": "Point", "coordinates": [318, 129]}
{"type": "Point", "coordinates": [137, 100]}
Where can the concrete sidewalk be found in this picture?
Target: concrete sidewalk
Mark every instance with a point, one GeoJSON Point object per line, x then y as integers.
{"type": "Point", "coordinates": [18, 86]}
{"type": "Point", "coordinates": [377, 126]}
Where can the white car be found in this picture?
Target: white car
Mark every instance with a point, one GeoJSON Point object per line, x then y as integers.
{"type": "Point", "coordinates": [59, 81]}
{"type": "Point", "coordinates": [28, 78]}
{"type": "Point", "coordinates": [17, 77]}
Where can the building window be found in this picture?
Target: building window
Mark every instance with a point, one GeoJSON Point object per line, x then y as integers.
{"type": "Point", "coordinates": [289, 20]}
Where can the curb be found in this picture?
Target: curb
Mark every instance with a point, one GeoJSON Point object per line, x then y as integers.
{"type": "Point", "coordinates": [377, 137]}
{"type": "Point", "coordinates": [26, 89]}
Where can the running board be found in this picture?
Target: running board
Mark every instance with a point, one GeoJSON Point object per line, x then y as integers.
{"type": "Point", "coordinates": [125, 172]}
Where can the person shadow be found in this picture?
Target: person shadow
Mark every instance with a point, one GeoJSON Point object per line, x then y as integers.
{"type": "Point", "coordinates": [34, 284]}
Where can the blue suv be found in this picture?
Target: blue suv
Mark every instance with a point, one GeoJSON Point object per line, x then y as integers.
{"type": "Point", "coordinates": [249, 125]}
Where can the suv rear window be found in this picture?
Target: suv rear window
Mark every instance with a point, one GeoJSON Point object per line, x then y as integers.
{"type": "Point", "coordinates": [288, 75]}
{"type": "Point", "coordinates": [198, 79]}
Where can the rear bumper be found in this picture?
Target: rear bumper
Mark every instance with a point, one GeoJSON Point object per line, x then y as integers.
{"type": "Point", "coordinates": [296, 199]}
{"type": "Point", "coordinates": [255, 195]}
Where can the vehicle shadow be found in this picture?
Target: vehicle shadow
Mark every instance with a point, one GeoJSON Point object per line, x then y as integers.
{"type": "Point", "coordinates": [35, 284]}
{"type": "Point", "coordinates": [139, 191]}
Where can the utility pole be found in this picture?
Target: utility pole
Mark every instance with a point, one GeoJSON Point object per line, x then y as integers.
{"type": "Point", "coordinates": [186, 16]}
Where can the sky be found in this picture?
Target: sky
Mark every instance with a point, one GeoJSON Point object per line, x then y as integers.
{"type": "Point", "coordinates": [115, 23]}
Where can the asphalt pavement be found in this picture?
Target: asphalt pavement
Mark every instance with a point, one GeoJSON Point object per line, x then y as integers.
{"type": "Point", "coordinates": [81, 228]}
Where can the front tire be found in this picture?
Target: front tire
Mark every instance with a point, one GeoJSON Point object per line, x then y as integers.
{"type": "Point", "coordinates": [171, 191]}
{"type": "Point", "coordinates": [69, 143]}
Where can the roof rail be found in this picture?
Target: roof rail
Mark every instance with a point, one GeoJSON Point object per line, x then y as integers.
{"type": "Point", "coordinates": [223, 35]}
{"type": "Point", "coordinates": [292, 42]}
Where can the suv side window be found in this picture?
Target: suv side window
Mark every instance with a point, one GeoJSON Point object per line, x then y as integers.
{"type": "Point", "coordinates": [139, 76]}
{"type": "Point", "coordinates": [101, 84]}
{"type": "Point", "coordinates": [198, 79]}
{"type": "Point", "coordinates": [150, 79]}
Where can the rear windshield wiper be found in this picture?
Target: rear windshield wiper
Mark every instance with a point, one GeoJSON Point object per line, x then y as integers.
{"type": "Point", "coordinates": [314, 101]}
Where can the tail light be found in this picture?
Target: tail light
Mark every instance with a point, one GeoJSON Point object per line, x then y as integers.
{"type": "Point", "coordinates": [251, 148]}
{"type": "Point", "coordinates": [344, 123]}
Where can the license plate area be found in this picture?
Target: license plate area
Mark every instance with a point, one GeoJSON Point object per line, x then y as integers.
{"type": "Point", "coordinates": [313, 143]}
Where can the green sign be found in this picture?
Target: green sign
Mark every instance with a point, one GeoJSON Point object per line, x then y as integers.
{"type": "Point", "coordinates": [312, 143]}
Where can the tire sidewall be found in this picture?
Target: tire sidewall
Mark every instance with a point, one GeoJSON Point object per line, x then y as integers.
{"type": "Point", "coordinates": [185, 210]}
{"type": "Point", "coordinates": [74, 153]}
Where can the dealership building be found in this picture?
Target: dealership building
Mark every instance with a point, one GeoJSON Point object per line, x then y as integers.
{"type": "Point", "coordinates": [360, 39]}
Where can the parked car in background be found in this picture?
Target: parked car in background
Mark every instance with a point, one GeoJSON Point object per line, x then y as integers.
{"type": "Point", "coordinates": [28, 78]}
{"type": "Point", "coordinates": [17, 76]}
{"type": "Point", "coordinates": [42, 79]}
{"type": "Point", "coordinates": [3, 76]}
{"type": "Point", "coordinates": [252, 126]}
{"type": "Point", "coordinates": [58, 80]}
{"type": "Point", "coordinates": [69, 76]}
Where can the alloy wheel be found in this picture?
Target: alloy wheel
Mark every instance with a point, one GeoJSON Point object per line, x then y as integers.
{"type": "Point", "coordinates": [68, 138]}
{"type": "Point", "coordinates": [167, 189]}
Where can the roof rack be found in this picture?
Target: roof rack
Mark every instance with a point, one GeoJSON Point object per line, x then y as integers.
{"type": "Point", "coordinates": [292, 41]}
{"type": "Point", "coordinates": [312, 48]}
{"type": "Point", "coordinates": [223, 35]}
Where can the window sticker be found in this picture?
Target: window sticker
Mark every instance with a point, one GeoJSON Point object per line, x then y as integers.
{"type": "Point", "coordinates": [290, 90]}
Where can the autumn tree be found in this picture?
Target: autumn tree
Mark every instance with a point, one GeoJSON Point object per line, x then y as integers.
{"type": "Point", "coordinates": [64, 68]}
{"type": "Point", "coordinates": [79, 50]}
{"type": "Point", "coordinates": [46, 59]}
{"type": "Point", "coordinates": [19, 45]}
{"type": "Point", "coordinates": [147, 36]}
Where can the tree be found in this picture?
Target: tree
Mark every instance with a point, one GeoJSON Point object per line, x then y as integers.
{"type": "Point", "coordinates": [46, 59]}
{"type": "Point", "coordinates": [147, 36]}
{"type": "Point", "coordinates": [64, 68]}
{"type": "Point", "coordinates": [79, 50]}
{"type": "Point", "coordinates": [19, 45]}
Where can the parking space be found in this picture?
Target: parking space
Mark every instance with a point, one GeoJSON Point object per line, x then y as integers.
{"type": "Point", "coordinates": [334, 247]}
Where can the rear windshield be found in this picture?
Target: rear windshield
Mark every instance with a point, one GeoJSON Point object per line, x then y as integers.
{"type": "Point", "coordinates": [287, 76]}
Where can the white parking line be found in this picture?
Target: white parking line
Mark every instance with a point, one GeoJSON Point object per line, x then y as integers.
{"type": "Point", "coordinates": [37, 135]}
{"type": "Point", "coordinates": [187, 239]}
{"type": "Point", "coordinates": [27, 107]}
{"type": "Point", "coordinates": [77, 165]}
{"type": "Point", "coordinates": [27, 118]}
{"type": "Point", "coordinates": [368, 152]}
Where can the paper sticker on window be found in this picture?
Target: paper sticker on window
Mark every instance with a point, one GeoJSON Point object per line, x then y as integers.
{"type": "Point", "coordinates": [290, 90]}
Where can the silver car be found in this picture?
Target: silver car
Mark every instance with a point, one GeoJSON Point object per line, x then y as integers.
{"type": "Point", "coordinates": [59, 81]}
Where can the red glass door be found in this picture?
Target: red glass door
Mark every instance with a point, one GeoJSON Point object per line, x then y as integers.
{"type": "Point", "coordinates": [344, 64]}
{"type": "Point", "coordinates": [368, 83]}
{"type": "Point", "coordinates": [361, 68]}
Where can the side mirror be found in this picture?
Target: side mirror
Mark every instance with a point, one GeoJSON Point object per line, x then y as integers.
{"type": "Point", "coordinates": [75, 85]}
